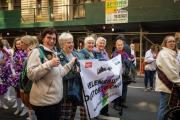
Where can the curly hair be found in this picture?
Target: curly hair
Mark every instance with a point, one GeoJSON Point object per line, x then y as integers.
{"type": "Point", "coordinates": [47, 31]}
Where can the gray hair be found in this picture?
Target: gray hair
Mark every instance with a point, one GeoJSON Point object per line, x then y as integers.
{"type": "Point", "coordinates": [64, 37]}
{"type": "Point", "coordinates": [100, 39]}
{"type": "Point", "coordinates": [87, 39]}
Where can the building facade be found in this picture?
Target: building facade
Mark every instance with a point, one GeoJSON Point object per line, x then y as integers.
{"type": "Point", "coordinates": [148, 20]}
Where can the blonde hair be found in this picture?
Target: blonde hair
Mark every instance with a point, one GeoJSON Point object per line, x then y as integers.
{"type": "Point", "coordinates": [14, 43]}
{"type": "Point", "coordinates": [31, 41]}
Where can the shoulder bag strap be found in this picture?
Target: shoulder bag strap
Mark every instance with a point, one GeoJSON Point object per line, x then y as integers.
{"type": "Point", "coordinates": [174, 96]}
{"type": "Point", "coordinates": [164, 79]}
{"type": "Point", "coordinates": [41, 54]}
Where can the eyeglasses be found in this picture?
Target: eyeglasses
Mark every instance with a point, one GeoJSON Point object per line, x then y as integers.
{"type": "Point", "coordinates": [51, 38]}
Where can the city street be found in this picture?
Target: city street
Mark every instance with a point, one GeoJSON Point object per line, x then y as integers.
{"type": "Point", "coordinates": [141, 106]}
{"type": "Point", "coordinates": [37, 36]}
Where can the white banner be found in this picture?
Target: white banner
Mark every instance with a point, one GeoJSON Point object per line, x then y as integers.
{"type": "Point", "coordinates": [102, 83]}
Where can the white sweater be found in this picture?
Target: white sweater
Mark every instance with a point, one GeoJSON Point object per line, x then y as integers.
{"type": "Point", "coordinates": [167, 63]}
{"type": "Point", "coordinates": [150, 60]}
{"type": "Point", "coordinates": [47, 88]}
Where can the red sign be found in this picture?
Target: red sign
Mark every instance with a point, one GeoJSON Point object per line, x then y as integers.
{"type": "Point", "coordinates": [88, 65]}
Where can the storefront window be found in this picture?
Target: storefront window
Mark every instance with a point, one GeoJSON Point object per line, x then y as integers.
{"type": "Point", "coordinates": [38, 7]}
{"type": "Point", "coordinates": [17, 4]}
{"type": "Point", "coordinates": [79, 8]}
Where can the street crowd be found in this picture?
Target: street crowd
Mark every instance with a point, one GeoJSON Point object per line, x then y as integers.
{"type": "Point", "coordinates": [41, 69]}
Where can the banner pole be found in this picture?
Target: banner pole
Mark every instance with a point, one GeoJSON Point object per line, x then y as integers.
{"type": "Point", "coordinates": [86, 105]}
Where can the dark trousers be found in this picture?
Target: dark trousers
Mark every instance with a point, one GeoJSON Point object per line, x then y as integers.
{"type": "Point", "coordinates": [122, 100]}
{"type": "Point", "coordinates": [47, 112]}
{"type": "Point", "coordinates": [149, 78]}
{"type": "Point", "coordinates": [105, 109]}
{"type": "Point", "coordinates": [133, 71]}
{"type": "Point", "coordinates": [124, 92]}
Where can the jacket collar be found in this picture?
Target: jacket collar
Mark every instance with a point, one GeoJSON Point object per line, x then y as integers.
{"type": "Point", "coordinates": [170, 51]}
{"type": "Point", "coordinates": [47, 49]}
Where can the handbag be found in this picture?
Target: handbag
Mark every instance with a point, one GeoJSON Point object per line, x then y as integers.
{"type": "Point", "coordinates": [72, 83]}
{"type": "Point", "coordinates": [25, 83]}
{"type": "Point", "coordinates": [74, 90]}
{"type": "Point", "coordinates": [127, 75]}
{"type": "Point", "coordinates": [174, 99]}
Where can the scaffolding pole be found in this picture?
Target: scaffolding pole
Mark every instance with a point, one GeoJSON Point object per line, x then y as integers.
{"type": "Point", "coordinates": [147, 39]}
{"type": "Point", "coordinates": [131, 33]}
{"type": "Point", "coordinates": [141, 38]}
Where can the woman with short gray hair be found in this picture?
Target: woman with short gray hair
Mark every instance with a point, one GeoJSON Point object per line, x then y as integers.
{"type": "Point", "coordinates": [101, 54]}
{"type": "Point", "coordinates": [64, 37]}
{"type": "Point", "coordinates": [101, 39]}
{"type": "Point", "coordinates": [69, 104]}
{"type": "Point", "coordinates": [100, 49]}
{"type": "Point", "coordinates": [87, 51]}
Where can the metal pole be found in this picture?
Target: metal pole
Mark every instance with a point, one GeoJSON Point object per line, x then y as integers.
{"type": "Point", "coordinates": [34, 14]}
{"type": "Point", "coordinates": [141, 37]}
{"type": "Point", "coordinates": [148, 39]}
{"type": "Point", "coordinates": [86, 105]}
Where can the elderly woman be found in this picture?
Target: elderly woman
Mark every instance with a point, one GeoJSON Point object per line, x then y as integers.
{"type": "Point", "coordinates": [46, 72]}
{"type": "Point", "coordinates": [100, 49]}
{"type": "Point", "coordinates": [126, 63]}
{"type": "Point", "coordinates": [167, 73]}
{"type": "Point", "coordinates": [101, 54]}
{"type": "Point", "coordinates": [69, 103]}
{"type": "Point", "coordinates": [87, 51]}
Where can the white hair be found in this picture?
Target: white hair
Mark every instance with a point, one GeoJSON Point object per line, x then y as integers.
{"type": "Point", "coordinates": [64, 37]}
{"type": "Point", "coordinates": [87, 39]}
{"type": "Point", "coordinates": [100, 39]}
